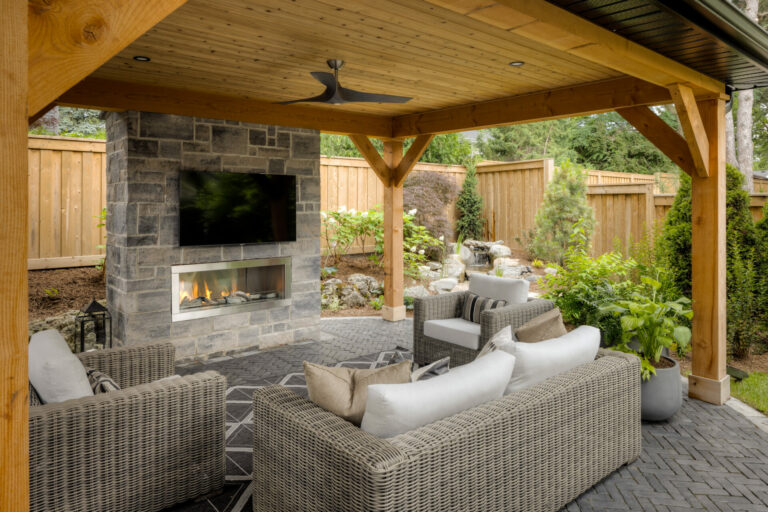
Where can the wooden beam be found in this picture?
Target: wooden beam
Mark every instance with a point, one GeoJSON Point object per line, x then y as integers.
{"type": "Point", "coordinates": [68, 40]}
{"type": "Point", "coordinates": [394, 306]}
{"type": "Point", "coordinates": [557, 28]}
{"type": "Point", "coordinates": [592, 98]}
{"type": "Point", "coordinates": [708, 380]}
{"type": "Point", "coordinates": [111, 95]}
{"type": "Point", "coordinates": [14, 400]}
{"type": "Point", "coordinates": [693, 127]}
{"type": "Point", "coordinates": [663, 136]}
{"type": "Point", "coordinates": [372, 156]}
{"type": "Point", "coordinates": [417, 149]}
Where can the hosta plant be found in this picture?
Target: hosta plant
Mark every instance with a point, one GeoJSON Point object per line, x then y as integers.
{"type": "Point", "coordinates": [652, 323]}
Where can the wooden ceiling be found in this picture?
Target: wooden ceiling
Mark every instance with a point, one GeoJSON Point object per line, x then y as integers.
{"type": "Point", "coordinates": [265, 49]}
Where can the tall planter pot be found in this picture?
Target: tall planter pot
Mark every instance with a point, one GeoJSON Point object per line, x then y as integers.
{"type": "Point", "coordinates": [662, 394]}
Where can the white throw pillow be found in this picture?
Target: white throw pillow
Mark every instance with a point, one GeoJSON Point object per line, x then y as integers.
{"type": "Point", "coordinates": [396, 408]}
{"type": "Point", "coordinates": [536, 362]}
{"type": "Point", "coordinates": [55, 372]}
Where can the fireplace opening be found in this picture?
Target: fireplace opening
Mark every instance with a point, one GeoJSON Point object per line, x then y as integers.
{"type": "Point", "coordinates": [211, 289]}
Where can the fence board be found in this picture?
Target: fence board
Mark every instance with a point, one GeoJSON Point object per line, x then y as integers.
{"type": "Point", "coordinates": [67, 190]}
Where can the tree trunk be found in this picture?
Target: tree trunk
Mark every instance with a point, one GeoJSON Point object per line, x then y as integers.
{"type": "Point", "coordinates": [744, 144]}
{"type": "Point", "coordinates": [730, 140]}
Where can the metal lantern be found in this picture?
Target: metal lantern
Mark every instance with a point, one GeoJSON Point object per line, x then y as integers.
{"type": "Point", "coordinates": [96, 320]}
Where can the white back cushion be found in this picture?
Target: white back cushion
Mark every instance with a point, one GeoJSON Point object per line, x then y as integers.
{"type": "Point", "coordinates": [396, 408]}
{"type": "Point", "coordinates": [535, 362]}
{"type": "Point", "coordinates": [55, 372]}
{"type": "Point", "coordinates": [514, 291]}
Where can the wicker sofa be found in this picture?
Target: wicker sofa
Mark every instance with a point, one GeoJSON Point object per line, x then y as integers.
{"type": "Point", "coordinates": [533, 450]}
{"type": "Point", "coordinates": [427, 349]}
{"type": "Point", "coordinates": [143, 448]}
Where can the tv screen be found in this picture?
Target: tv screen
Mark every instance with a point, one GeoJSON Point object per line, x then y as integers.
{"type": "Point", "coordinates": [220, 208]}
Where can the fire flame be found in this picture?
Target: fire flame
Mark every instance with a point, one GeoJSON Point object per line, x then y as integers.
{"type": "Point", "coordinates": [205, 292]}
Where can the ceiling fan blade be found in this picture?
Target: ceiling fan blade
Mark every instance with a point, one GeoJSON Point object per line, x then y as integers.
{"type": "Point", "coordinates": [320, 98]}
{"type": "Point", "coordinates": [327, 79]}
{"type": "Point", "coordinates": [351, 95]}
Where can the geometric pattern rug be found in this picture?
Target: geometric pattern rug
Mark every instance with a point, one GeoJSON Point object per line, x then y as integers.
{"type": "Point", "coordinates": [239, 435]}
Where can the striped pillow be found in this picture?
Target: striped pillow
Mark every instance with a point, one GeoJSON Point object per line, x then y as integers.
{"type": "Point", "coordinates": [475, 304]}
{"type": "Point", "coordinates": [100, 382]}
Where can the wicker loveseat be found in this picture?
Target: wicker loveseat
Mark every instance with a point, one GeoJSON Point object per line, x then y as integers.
{"type": "Point", "coordinates": [427, 349]}
{"type": "Point", "coordinates": [533, 450]}
{"type": "Point", "coordinates": [142, 448]}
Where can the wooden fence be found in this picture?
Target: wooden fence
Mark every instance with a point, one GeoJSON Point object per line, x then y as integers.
{"type": "Point", "coordinates": [67, 191]}
{"type": "Point", "coordinates": [662, 182]}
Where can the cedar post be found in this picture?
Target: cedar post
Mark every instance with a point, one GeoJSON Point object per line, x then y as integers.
{"type": "Point", "coordinates": [14, 408]}
{"type": "Point", "coordinates": [394, 307]}
{"type": "Point", "coordinates": [708, 380]}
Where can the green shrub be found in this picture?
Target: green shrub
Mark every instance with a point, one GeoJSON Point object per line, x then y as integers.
{"type": "Point", "coordinates": [743, 330]}
{"type": "Point", "coordinates": [470, 206]}
{"type": "Point", "coordinates": [584, 284]}
{"type": "Point", "coordinates": [565, 203]}
{"type": "Point", "coordinates": [761, 266]}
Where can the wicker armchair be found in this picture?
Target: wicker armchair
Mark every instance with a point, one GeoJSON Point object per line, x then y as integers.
{"type": "Point", "coordinates": [531, 451]}
{"type": "Point", "coordinates": [427, 349]}
{"type": "Point", "coordinates": [145, 447]}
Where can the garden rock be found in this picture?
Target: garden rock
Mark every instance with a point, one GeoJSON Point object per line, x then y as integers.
{"type": "Point", "coordinates": [434, 265]}
{"type": "Point", "coordinates": [416, 292]}
{"type": "Point", "coordinates": [351, 298]}
{"type": "Point", "coordinates": [506, 262]}
{"type": "Point", "coordinates": [366, 285]}
{"type": "Point", "coordinates": [454, 267]}
{"type": "Point", "coordinates": [444, 285]}
{"type": "Point", "coordinates": [533, 278]}
{"type": "Point", "coordinates": [428, 274]}
{"type": "Point", "coordinates": [500, 251]}
{"type": "Point", "coordinates": [514, 272]}
{"type": "Point", "coordinates": [64, 323]}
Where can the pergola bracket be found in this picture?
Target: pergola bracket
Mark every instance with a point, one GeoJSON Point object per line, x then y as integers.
{"type": "Point", "coordinates": [693, 127]}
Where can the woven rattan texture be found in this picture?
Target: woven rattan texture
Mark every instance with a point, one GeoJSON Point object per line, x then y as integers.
{"type": "Point", "coordinates": [142, 448]}
{"type": "Point", "coordinates": [449, 305]}
{"type": "Point", "coordinates": [531, 451]}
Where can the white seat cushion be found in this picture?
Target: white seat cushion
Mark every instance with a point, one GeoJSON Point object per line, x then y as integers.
{"type": "Point", "coordinates": [536, 362]}
{"type": "Point", "coordinates": [454, 330]}
{"type": "Point", "coordinates": [392, 409]}
{"type": "Point", "coordinates": [512, 291]}
{"type": "Point", "coordinates": [55, 372]}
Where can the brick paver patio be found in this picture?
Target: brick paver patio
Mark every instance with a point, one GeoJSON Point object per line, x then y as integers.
{"type": "Point", "coordinates": [706, 458]}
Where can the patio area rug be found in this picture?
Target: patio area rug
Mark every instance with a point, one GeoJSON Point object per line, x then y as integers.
{"type": "Point", "coordinates": [239, 434]}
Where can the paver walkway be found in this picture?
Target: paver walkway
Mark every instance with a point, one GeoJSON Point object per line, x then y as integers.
{"type": "Point", "coordinates": [706, 458]}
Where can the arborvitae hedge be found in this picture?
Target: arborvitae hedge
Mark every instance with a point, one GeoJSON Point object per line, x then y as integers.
{"type": "Point", "coordinates": [470, 205]}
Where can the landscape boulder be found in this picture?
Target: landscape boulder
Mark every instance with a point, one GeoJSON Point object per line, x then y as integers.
{"type": "Point", "coordinates": [499, 251]}
{"type": "Point", "coordinates": [416, 292]}
{"type": "Point", "coordinates": [351, 298]}
{"type": "Point", "coordinates": [444, 285]}
{"type": "Point", "coordinates": [454, 267]}
{"type": "Point", "coordinates": [367, 286]}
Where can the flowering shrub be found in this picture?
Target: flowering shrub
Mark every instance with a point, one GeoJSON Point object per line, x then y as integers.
{"type": "Point", "coordinates": [345, 228]}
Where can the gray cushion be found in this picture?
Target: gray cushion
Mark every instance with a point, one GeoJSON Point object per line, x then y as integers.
{"type": "Point", "coordinates": [513, 291]}
{"type": "Point", "coordinates": [454, 330]}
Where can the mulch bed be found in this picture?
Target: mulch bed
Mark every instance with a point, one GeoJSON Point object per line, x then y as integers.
{"type": "Point", "coordinates": [75, 289]}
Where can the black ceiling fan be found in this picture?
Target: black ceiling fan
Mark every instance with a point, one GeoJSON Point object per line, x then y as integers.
{"type": "Point", "coordinates": [335, 94]}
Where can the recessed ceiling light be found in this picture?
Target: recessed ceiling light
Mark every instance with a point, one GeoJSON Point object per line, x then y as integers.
{"type": "Point", "coordinates": [141, 58]}
{"type": "Point", "coordinates": [516, 63]}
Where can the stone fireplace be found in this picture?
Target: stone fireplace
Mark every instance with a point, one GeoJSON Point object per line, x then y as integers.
{"type": "Point", "coordinates": [206, 299]}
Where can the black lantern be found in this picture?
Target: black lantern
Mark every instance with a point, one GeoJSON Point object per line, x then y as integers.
{"type": "Point", "coordinates": [94, 322]}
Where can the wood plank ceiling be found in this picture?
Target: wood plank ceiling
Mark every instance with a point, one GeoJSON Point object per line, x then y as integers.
{"type": "Point", "coordinates": [265, 49]}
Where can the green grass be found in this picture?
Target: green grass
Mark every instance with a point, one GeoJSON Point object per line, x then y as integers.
{"type": "Point", "coordinates": [753, 391]}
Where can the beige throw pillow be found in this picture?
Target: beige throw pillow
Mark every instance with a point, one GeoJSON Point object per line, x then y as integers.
{"type": "Point", "coordinates": [544, 327]}
{"type": "Point", "coordinates": [344, 391]}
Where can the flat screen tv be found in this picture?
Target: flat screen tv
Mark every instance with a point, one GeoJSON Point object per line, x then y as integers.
{"type": "Point", "coordinates": [221, 208]}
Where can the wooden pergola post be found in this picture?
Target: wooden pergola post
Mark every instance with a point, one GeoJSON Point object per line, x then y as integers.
{"type": "Point", "coordinates": [14, 408]}
{"type": "Point", "coordinates": [708, 380]}
{"type": "Point", "coordinates": [392, 168]}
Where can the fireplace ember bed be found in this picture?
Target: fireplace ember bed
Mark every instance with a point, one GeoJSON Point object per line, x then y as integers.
{"type": "Point", "coordinates": [212, 289]}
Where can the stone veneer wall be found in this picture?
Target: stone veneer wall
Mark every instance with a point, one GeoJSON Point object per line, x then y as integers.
{"type": "Point", "coordinates": [145, 152]}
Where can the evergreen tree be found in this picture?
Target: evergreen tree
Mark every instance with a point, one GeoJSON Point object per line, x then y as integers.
{"type": "Point", "coordinates": [565, 203]}
{"type": "Point", "coordinates": [761, 265]}
{"type": "Point", "coordinates": [546, 139]}
{"type": "Point", "coordinates": [470, 205]}
{"type": "Point", "coordinates": [675, 245]}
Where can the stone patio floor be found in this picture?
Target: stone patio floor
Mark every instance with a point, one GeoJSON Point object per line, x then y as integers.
{"type": "Point", "coordinates": [705, 458]}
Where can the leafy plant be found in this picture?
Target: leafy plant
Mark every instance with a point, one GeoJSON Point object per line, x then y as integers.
{"type": "Point", "coordinates": [651, 322]}
{"type": "Point", "coordinates": [377, 303]}
{"type": "Point", "coordinates": [583, 284]}
{"type": "Point", "coordinates": [51, 293]}
{"type": "Point", "coordinates": [470, 206]}
{"type": "Point", "coordinates": [565, 203]}
{"type": "Point", "coordinates": [537, 263]}
{"type": "Point", "coordinates": [327, 272]}
{"type": "Point", "coordinates": [742, 330]}
{"type": "Point", "coordinates": [408, 301]}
